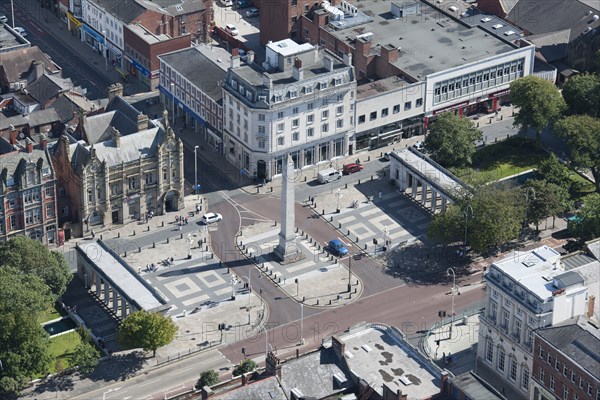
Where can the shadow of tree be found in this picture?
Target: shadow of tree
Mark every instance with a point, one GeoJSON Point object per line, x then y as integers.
{"type": "Point", "coordinates": [119, 367]}
{"type": "Point", "coordinates": [425, 264]}
{"type": "Point", "coordinates": [56, 383]}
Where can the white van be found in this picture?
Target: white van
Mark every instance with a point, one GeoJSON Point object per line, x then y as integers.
{"type": "Point", "coordinates": [329, 175]}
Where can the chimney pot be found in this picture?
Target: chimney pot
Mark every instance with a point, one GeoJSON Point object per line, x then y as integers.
{"type": "Point", "coordinates": [29, 145]}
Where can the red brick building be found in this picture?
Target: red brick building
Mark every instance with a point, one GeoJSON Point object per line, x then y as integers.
{"type": "Point", "coordinates": [281, 19]}
{"type": "Point", "coordinates": [142, 48]}
{"type": "Point", "coordinates": [566, 364]}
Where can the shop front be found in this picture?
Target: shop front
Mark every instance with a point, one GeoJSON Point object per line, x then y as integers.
{"type": "Point", "coordinates": [115, 55]}
{"type": "Point", "coordinates": [74, 25]}
{"type": "Point", "coordinates": [94, 39]}
{"type": "Point", "coordinates": [138, 71]}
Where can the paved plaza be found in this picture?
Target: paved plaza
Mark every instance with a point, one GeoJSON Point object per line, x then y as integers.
{"type": "Point", "coordinates": [316, 280]}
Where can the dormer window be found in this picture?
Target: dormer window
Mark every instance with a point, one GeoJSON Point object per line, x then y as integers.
{"type": "Point", "coordinates": [242, 90]}
{"type": "Point", "coordinates": [249, 95]}
{"type": "Point", "coordinates": [337, 81]}
{"type": "Point", "coordinates": [323, 85]}
{"type": "Point", "coordinates": [278, 98]}
{"type": "Point", "coordinates": [293, 94]}
{"type": "Point", "coordinates": [234, 84]}
{"type": "Point", "coordinates": [308, 89]}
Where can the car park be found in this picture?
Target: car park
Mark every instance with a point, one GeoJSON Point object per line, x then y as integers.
{"type": "Point", "coordinates": [337, 248]}
{"type": "Point", "coordinates": [231, 29]}
{"type": "Point", "coordinates": [210, 218]}
{"type": "Point", "coordinates": [252, 12]}
{"type": "Point", "coordinates": [352, 168]}
{"type": "Point", "coordinates": [329, 175]}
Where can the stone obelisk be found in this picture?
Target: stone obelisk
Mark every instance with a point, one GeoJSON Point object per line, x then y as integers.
{"type": "Point", "coordinates": [288, 250]}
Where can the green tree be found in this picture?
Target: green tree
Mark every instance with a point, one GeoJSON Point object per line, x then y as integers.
{"type": "Point", "coordinates": [582, 94]}
{"type": "Point", "coordinates": [590, 217]}
{"type": "Point", "coordinates": [549, 200]}
{"type": "Point", "coordinates": [582, 134]}
{"type": "Point", "coordinates": [539, 103]}
{"type": "Point", "coordinates": [552, 170]}
{"type": "Point", "coordinates": [244, 366]}
{"type": "Point", "coordinates": [32, 257]}
{"type": "Point", "coordinates": [451, 140]}
{"type": "Point", "coordinates": [147, 330]}
{"type": "Point", "coordinates": [208, 378]}
{"type": "Point", "coordinates": [85, 355]}
{"type": "Point", "coordinates": [23, 341]}
{"type": "Point", "coordinates": [449, 226]}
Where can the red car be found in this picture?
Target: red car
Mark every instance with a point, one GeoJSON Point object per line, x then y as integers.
{"type": "Point", "coordinates": [351, 168]}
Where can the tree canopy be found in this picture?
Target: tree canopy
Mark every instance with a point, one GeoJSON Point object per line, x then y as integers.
{"type": "Point", "coordinates": [590, 217]}
{"type": "Point", "coordinates": [582, 94]}
{"type": "Point", "coordinates": [85, 356]}
{"type": "Point", "coordinates": [32, 257]}
{"type": "Point", "coordinates": [147, 330]}
{"type": "Point", "coordinates": [582, 134]}
{"type": "Point", "coordinates": [244, 366]}
{"type": "Point", "coordinates": [451, 140]}
{"type": "Point", "coordinates": [539, 103]}
{"type": "Point", "coordinates": [552, 170]}
{"type": "Point", "coordinates": [208, 378]}
{"type": "Point", "coordinates": [549, 200]}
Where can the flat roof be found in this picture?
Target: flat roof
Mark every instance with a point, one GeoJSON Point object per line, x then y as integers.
{"type": "Point", "coordinates": [120, 274]}
{"type": "Point", "coordinates": [370, 89]}
{"type": "Point", "coordinates": [10, 40]}
{"type": "Point", "coordinates": [146, 35]}
{"type": "Point", "coordinates": [379, 357]}
{"type": "Point", "coordinates": [287, 47]}
{"type": "Point", "coordinates": [429, 41]}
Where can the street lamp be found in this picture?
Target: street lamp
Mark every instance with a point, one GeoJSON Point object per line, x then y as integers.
{"type": "Point", "coordinates": [469, 208]}
{"type": "Point", "coordinates": [349, 273]}
{"type": "Point", "coordinates": [338, 195]}
{"type": "Point", "coordinates": [189, 240]}
{"type": "Point", "coordinates": [301, 324]}
{"type": "Point", "coordinates": [173, 102]}
{"type": "Point", "coordinates": [267, 344]}
{"type": "Point", "coordinates": [448, 271]}
{"type": "Point", "coordinates": [196, 171]}
{"type": "Point", "coordinates": [233, 282]}
{"type": "Point", "coordinates": [12, 13]}
{"type": "Point", "coordinates": [385, 235]}
{"type": "Point", "coordinates": [105, 51]}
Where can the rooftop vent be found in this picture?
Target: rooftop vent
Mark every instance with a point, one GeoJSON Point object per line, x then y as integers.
{"type": "Point", "coordinates": [508, 33]}
{"type": "Point", "coordinates": [547, 278]}
{"type": "Point", "coordinates": [595, 18]}
{"type": "Point", "coordinates": [497, 26]}
{"type": "Point", "coordinates": [486, 19]}
{"type": "Point", "coordinates": [405, 381]}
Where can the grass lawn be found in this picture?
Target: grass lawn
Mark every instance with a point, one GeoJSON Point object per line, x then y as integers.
{"type": "Point", "coordinates": [61, 348]}
{"type": "Point", "coordinates": [582, 187]}
{"type": "Point", "coordinates": [500, 160]}
{"type": "Point", "coordinates": [51, 313]}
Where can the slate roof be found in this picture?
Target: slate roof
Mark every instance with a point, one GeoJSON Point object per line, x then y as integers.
{"type": "Point", "coordinates": [124, 10]}
{"type": "Point", "coordinates": [546, 16]}
{"type": "Point", "coordinates": [174, 7]}
{"type": "Point", "coordinates": [475, 387]}
{"type": "Point", "coordinates": [140, 145]}
{"type": "Point", "coordinates": [16, 161]}
{"type": "Point", "coordinates": [568, 278]}
{"type": "Point", "coordinates": [594, 248]}
{"type": "Point", "coordinates": [17, 63]}
{"type": "Point", "coordinates": [71, 102]}
{"type": "Point", "coordinates": [33, 119]}
{"type": "Point", "coordinates": [118, 114]}
{"type": "Point", "coordinates": [199, 69]}
{"type": "Point", "coordinates": [576, 343]}
{"type": "Point", "coordinates": [44, 89]}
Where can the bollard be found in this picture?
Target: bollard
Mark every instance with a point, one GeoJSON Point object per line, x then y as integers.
{"type": "Point", "coordinates": [306, 236]}
{"type": "Point", "coordinates": [356, 283]}
{"type": "Point", "coordinates": [303, 299]}
{"type": "Point", "coordinates": [371, 177]}
{"type": "Point", "coordinates": [329, 301]}
{"type": "Point", "coordinates": [139, 249]}
{"type": "Point", "coordinates": [279, 280]}
{"type": "Point", "coordinates": [153, 245]}
{"type": "Point", "coordinates": [206, 248]}
{"type": "Point", "coordinates": [271, 189]}
{"type": "Point", "coordinates": [148, 228]}
{"type": "Point", "coordinates": [339, 225]}
{"type": "Point", "coordinates": [118, 234]}
{"type": "Point", "coordinates": [356, 239]}
{"type": "Point", "coordinates": [331, 219]}
{"type": "Point", "coordinates": [355, 289]}
{"type": "Point", "coordinates": [348, 232]}
{"type": "Point", "coordinates": [305, 179]}
{"type": "Point", "coordinates": [200, 201]}
{"type": "Point", "coordinates": [167, 240]}
{"type": "Point", "coordinates": [359, 181]}
{"type": "Point", "coordinates": [501, 117]}
{"type": "Point", "coordinates": [243, 247]}
{"type": "Point", "coordinates": [478, 124]}
{"type": "Point", "coordinates": [349, 295]}
{"type": "Point", "coordinates": [322, 212]}
{"type": "Point", "coordinates": [257, 190]}
{"type": "Point", "coordinates": [125, 254]}
{"type": "Point", "coordinates": [346, 186]}
{"type": "Point", "coordinates": [163, 223]}
{"type": "Point", "coordinates": [365, 246]}
{"type": "Point", "coordinates": [296, 229]}
{"type": "Point", "coordinates": [317, 302]}
{"type": "Point", "coordinates": [100, 236]}
{"type": "Point", "coordinates": [380, 154]}
{"type": "Point", "coordinates": [275, 223]}
{"type": "Point", "coordinates": [212, 255]}
{"type": "Point", "coordinates": [263, 265]}
{"type": "Point", "coordinates": [369, 158]}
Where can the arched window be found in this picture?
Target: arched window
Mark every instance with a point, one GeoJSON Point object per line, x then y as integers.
{"type": "Point", "coordinates": [501, 359]}
{"type": "Point", "coordinates": [524, 377]}
{"type": "Point", "coordinates": [489, 350]}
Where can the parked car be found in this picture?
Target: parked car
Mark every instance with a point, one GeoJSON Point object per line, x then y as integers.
{"type": "Point", "coordinates": [3, 19]}
{"type": "Point", "coordinates": [231, 29]}
{"type": "Point", "coordinates": [244, 3]}
{"type": "Point", "coordinates": [21, 31]}
{"type": "Point", "coordinates": [227, 3]}
{"type": "Point", "coordinates": [418, 146]}
{"type": "Point", "coordinates": [210, 218]}
{"type": "Point", "coordinates": [329, 175]}
{"type": "Point", "coordinates": [352, 168]}
{"type": "Point", "coordinates": [252, 12]}
{"type": "Point", "coordinates": [337, 248]}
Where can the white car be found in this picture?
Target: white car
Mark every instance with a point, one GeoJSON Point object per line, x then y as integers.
{"type": "Point", "coordinates": [227, 3]}
{"type": "Point", "coordinates": [3, 19]}
{"type": "Point", "coordinates": [231, 29]}
{"type": "Point", "coordinates": [209, 218]}
{"type": "Point", "coordinates": [20, 31]}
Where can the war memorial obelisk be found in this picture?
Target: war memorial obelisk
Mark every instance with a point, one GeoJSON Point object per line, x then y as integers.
{"type": "Point", "coordinates": [288, 249]}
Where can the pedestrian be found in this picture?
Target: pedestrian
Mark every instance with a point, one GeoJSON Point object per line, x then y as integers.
{"type": "Point", "coordinates": [93, 234]}
{"type": "Point", "coordinates": [186, 220]}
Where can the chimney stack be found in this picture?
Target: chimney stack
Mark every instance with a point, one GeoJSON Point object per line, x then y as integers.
{"type": "Point", "coordinates": [235, 59]}
{"type": "Point", "coordinates": [389, 53]}
{"type": "Point", "coordinates": [29, 145]}
{"type": "Point", "coordinates": [43, 141]}
{"type": "Point", "coordinates": [116, 136]}
{"type": "Point", "coordinates": [328, 64]}
{"type": "Point", "coordinates": [165, 118]}
{"type": "Point", "coordinates": [250, 56]}
{"type": "Point", "coordinates": [38, 70]}
{"type": "Point", "coordinates": [114, 90]}
{"type": "Point", "coordinates": [348, 59]}
{"type": "Point", "coordinates": [267, 80]}
{"type": "Point", "coordinates": [142, 122]}
{"type": "Point", "coordinates": [273, 365]}
{"type": "Point", "coordinates": [13, 134]}
{"type": "Point", "coordinates": [591, 305]}
{"type": "Point", "coordinates": [297, 72]}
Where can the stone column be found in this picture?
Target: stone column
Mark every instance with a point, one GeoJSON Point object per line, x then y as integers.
{"type": "Point", "coordinates": [106, 293]}
{"type": "Point", "coordinates": [115, 300]}
{"type": "Point", "coordinates": [414, 186]}
{"type": "Point", "coordinates": [444, 203]}
{"type": "Point", "coordinates": [433, 200]}
{"type": "Point", "coordinates": [287, 250]}
{"type": "Point", "coordinates": [98, 285]}
{"type": "Point", "coordinates": [423, 193]}
{"type": "Point", "coordinates": [123, 307]}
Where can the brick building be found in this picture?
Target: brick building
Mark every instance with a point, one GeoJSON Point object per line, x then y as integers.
{"type": "Point", "coordinates": [27, 189]}
{"type": "Point", "coordinates": [566, 364]}
{"type": "Point", "coordinates": [282, 19]}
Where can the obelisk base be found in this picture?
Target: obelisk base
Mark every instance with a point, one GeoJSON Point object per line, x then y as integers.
{"type": "Point", "coordinates": [288, 250]}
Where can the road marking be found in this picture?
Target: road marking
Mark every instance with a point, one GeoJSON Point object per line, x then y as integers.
{"type": "Point", "coordinates": [181, 371]}
{"type": "Point", "coordinates": [149, 382]}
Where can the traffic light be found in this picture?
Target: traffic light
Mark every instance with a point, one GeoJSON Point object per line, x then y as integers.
{"type": "Point", "coordinates": [374, 241]}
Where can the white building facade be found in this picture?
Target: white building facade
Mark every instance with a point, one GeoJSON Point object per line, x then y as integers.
{"type": "Point", "coordinates": [525, 291]}
{"type": "Point", "coordinates": [102, 31]}
{"type": "Point", "coordinates": [302, 106]}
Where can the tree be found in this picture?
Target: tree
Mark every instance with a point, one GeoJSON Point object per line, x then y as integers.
{"type": "Point", "coordinates": [582, 134]}
{"type": "Point", "coordinates": [451, 140]}
{"type": "Point", "coordinates": [552, 170]}
{"type": "Point", "coordinates": [582, 94]}
{"type": "Point", "coordinates": [448, 226]}
{"type": "Point", "coordinates": [147, 330]}
{"type": "Point", "coordinates": [208, 378]}
{"type": "Point", "coordinates": [549, 200]}
{"type": "Point", "coordinates": [244, 366]}
{"type": "Point", "coordinates": [32, 257]}
{"type": "Point", "coordinates": [590, 217]}
{"type": "Point", "coordinates": [85, 355]}
{"type": "Point", "coordinates": [539, 103]}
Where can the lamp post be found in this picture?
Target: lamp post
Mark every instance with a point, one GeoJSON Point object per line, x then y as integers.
{"type": "Point", "coordinates": [385, 235]}
{"type": "Point", "coordinates": [196, 171]}
{"type": "Point", "coordinates": [469, 208]}
{"type": "Point", "coordinates": [233, 282]}
{"type": "Point", "coordinates": [266, 341]}
{"type": "Point", "coordinates": [349, 273]}
{"type": "Point", "coordinates": [301, 324]}
{"type": "Point", "coordinates": [338, 196]}
{"type": "Point", "coordinates": [173, 102]}
{"type": "Point", "coordinates": [189, 240]}
{"type": "Point", "coordinates": [105, 51]}
{"type": "Point", "coordinates": [448, 271]}
{"type": "Point", "coordinates": [12, 13]}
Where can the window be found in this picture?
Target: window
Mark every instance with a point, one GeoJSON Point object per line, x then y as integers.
{"type": "Point", "coordinates": [418, 102]}
{"type": "Point", "coordinates": [565, 393]}
{"type": "Point", "coordinates": [552, 383]}
{"type": "Point", "coordinates": [513, 369]}
{"type": "Point", "coordinates": [278, 98]}
{"type": "Point", "coordinates": [50, 210]}
{"type": "Point", "coordinates": [396, 109]}
{"type": "Point", "coordinates": [149, 178]}
{"type": "Point", "coordinates": [325, 114]}
{"type": "Point", "coordinates": [489, 353]}
{"type": "Point", "coordinates": [339, 123]}
{"type": "Point", "coordinates": [384, 112]}
{"type": "Point", "coordinates": [308, 89]}
{"type": "Point", "coordinates": [325, 127]}
{"type": "Point", "coordinates": [296, 136]}
{"type": "Point", "coordinates": [280, 140]}
{"type": "Point", "coordinates": [549, 359]}
{"type": "Point", "coordinates": [337, 81]}
{"type": "Point", "coordinates": [323, 85]}
{"type": "Point", "coordinates": [65, 211]}
{"type": "Point", "coordinates": [517, 328]}
{"type": "Point", "coordinates": [310, 132]}
{"type": "Point", "coordinates": [580, 383]}
{"type": "Point", "coordinates": [295, 123]}
{"type": "Point", "coordinates": [565, 371]}
{"type": "Point", "coordinates": [361, 119]}
{"type": "Point", "coordinates": [293, 95]}
{"type": "Point", "coordinates": [573, 376]}
{"type": "Point", "coordinates": [309, 106]}
{"type": "Point", "coordinates": [505, 318]}
{"type": "Point", "coordinates": [542, 375]}
{"type": "Point", "coordinates": [280, 127]}
{"type": "Point", "coordinates": [261, 117]}
{"type": "Point", "coordinates": [501, 357]}
{"type": "Point", "coordinates": [525, 378]}
{"type": "Point", "coordinates": [493, 310]}
{"type": "Point", "coordinates": [91, 195]}
{"type": "Point", "coordinates": [407, 105]}
{"type": "Point", "coordinates": [557, 365]}
{"type": "Point", "coordinates": [280, 115]}
{"type": "Point", "coordinates": [373, 116]}
{"type": "Point", "coordinates": [310, 118]}
{"type": "Point", "coordinates": [261, 129]}
{"type": "Point", "coordinates": [339, 110]}
{"type": "Point", "coordinates": [589, 391]}
{"type": "Point", "coordinates": [295, 110]}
